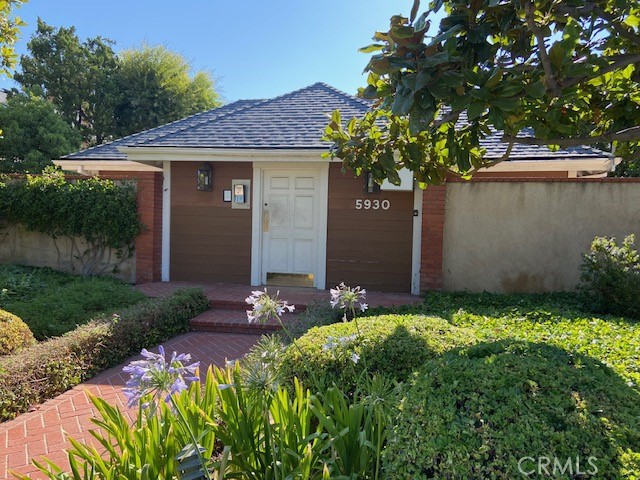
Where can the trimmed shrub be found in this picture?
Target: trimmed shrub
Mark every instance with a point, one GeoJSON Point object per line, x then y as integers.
{"type": "Point", "coordinates": [317, 314]}
{"type": "Point", "coordinates": [52, 367]}
{"type": "Point", "coordinates": [610, 277]}
{"type": "Point", "coordinates": [476, 413]}
{"type": "Point", "coordinates": [392, 345]}
{"type": "Point", "coordinates": [14, 333]}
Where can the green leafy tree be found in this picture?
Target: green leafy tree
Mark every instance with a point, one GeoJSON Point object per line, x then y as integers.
{"type": "Point", "coordinates": [9, 34]}
{"type": "Point", "coordinates": [104, 95]}
{"type": "Point", "coordinates": [629, 152]}
{"type": "Point", "coordinates": [568, 71]}
{"type": "Point", "coordinates": [34, 134]}
{"type": "Point", "coordinates": [77, 77]}
{"type": "Point", "coordinates": [157, 88]}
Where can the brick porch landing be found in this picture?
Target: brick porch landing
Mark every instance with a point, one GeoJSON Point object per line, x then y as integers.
{"type": "Point", "coordinates": [41, 433]}
{"type": "Point", "coordinates": [233, 295]}
{"type": "Point", "coordinates": [228, 306]}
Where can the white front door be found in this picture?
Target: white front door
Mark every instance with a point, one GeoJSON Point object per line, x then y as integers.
{"type": "Point", "coordinates": [290, 222]}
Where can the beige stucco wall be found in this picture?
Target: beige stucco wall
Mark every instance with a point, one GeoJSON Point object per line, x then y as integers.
{"type": "Point", "coordinates": [19, 246]}
{"type": "Point", "coordinates": [529, 236]}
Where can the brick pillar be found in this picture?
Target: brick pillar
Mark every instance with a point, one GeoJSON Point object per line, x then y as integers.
{"type": "Point", "coordinates": [149, 242]}
{"type": "Point", "coordinates": [433, 212]}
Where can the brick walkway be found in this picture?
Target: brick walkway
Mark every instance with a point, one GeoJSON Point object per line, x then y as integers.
{"type": "Point", "coordinates": [41, 433]}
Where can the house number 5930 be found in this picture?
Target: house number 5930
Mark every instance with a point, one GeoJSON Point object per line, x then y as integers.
{"type": "Point", "coordinates": [376, 204]}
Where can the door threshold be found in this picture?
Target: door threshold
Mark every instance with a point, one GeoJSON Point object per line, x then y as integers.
{"type": "Point", "coordinates": [290, 280]}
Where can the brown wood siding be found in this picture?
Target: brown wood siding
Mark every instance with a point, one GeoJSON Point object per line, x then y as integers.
{"type": "Point", "coordinates": [371, 248]}
{"type": "Point", "coordinates": [210, 242]}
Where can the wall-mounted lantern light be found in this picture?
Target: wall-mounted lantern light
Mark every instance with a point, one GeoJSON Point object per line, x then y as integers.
{"type": "Point", "coordinates": [370, 185]}
{"type": "Point", "coordinates": [205, 177]}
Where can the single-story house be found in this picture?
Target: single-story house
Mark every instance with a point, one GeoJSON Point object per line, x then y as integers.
{"type": "Point", "coordinates": [240, 194]}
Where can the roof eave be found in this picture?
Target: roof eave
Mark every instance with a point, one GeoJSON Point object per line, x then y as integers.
{"type": "Point", "coordinates": [91, 166]}
{"type": "Point", "coordinates": [185, 154]}
{"type": "Point", "coordinates": [570, 164]}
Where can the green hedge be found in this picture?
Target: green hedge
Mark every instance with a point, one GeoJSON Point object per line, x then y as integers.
{"type": "Point", "coordinates": [52, 367]}
{"type": "Point", "coordinates": [393, 345]}
{"type": "Point", "coordinates": [474, 413]}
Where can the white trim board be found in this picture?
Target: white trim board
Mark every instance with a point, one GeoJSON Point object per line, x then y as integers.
{"type": "Point", "coordinates": [416, 244]}
{"type": "Point", "coordinates": [560, 165]}
{"type": "Point", "coordinates": [82, 166]}
{"type": "Point", "coordinates": [166, 222]}
{"type": "Point", "coordinates": [322, 168]}
{"type": "Point", "coordinates": [186, 154]}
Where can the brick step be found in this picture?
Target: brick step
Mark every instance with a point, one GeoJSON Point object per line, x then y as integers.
{"type": "Point", "coordinates": [232, 321]}
{"type": "Point", "coordinates": [241, 305]}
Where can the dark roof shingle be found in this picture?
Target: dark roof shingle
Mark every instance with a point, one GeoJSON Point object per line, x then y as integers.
{"type": "Point", "coordinates": [294, 120]}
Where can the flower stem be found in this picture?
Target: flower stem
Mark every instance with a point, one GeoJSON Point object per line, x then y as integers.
{"type": "Point", "coordinates": [302, 354]}
{"type": "Point", "coordinates": [193, 439]}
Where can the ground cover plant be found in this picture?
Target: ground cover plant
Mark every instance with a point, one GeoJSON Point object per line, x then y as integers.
{"type": "Point", "coordinates": [52, 303]}
{"type": "Point", "coordinates": [557, 319]}
{"type": "Point", "coordinates": [492, 410]}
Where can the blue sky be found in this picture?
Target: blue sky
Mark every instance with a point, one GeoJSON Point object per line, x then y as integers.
{"type": "Point", "coordinates": [255, 49]}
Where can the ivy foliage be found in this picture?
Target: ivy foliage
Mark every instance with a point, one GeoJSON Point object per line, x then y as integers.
{"type": "Point", "coordinates": [98, 210]}
{"type": "Point", "coordinates": [565, 71]}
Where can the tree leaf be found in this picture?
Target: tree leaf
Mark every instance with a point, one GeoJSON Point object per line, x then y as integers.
{"type": "Point", "coordinates": [439, 88]}
{"type": "Point", "coordinates": [414, 10]}
{"type": "Point", "coordinates": [374, 47]}
{"type": "Point", "coordinates": [536, 90]}
{"type": "Point", "coordinates": [419, 119]}
{"type": "Point", "coordinates": [403, 101]}
{"type": "Point", "coordinates": [475, 110]}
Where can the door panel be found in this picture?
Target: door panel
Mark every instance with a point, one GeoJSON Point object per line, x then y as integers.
{"type": "Point", "coordinates": [303, 213]}
{"type": "Point", "coordinates": [290, 226]}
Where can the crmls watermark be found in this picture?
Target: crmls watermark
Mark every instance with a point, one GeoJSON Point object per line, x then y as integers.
{"type": "Point", "coordinates": [554, 467]}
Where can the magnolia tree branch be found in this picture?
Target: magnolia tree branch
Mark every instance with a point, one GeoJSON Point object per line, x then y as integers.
{"type": "Point", "coordinates": [615, 24]}
{"type": "Point", "coordinates": [627, 135]}
{"type": "Point", "coordinates": [449, 117]}
{"type": "Point", "coordinates": [616, 64]}
{"type": "Point", "coordinates": [551, 81]}
{"type": "Point", "coordinates": [618, 27]}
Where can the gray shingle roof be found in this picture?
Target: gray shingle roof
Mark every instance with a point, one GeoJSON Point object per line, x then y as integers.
{"type": "Point", "coordinates": [496, 148]}
{"type": "Point", "coordinates": [109, 150]}
{"type": "Point", "coordinates": [294, 120]}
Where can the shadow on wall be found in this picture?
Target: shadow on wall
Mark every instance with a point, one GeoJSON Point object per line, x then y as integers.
{"type": "Point", "coordinates": [19, 246]}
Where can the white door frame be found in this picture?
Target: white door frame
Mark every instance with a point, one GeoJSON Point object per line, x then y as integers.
{"type": "Point", "coordinates": [165, 261]}
{"type": "Point", "coordinates": [416, 247]}
{"type": "Point", "coordinates": [322, 168]}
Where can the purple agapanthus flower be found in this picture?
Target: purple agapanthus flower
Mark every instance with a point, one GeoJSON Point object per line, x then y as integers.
{"type": "Point", "coordinates": [158, 377]}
